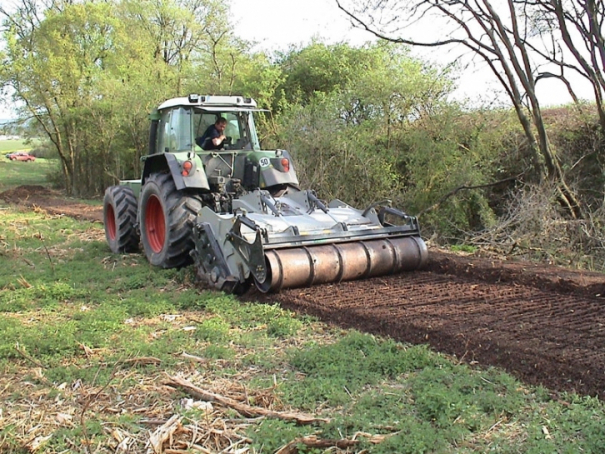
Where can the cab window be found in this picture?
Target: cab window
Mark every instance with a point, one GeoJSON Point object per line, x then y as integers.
{"type": "Point", "coordinates": [174, 131]}
{"type": "Point", "coordinates": [236, 127]}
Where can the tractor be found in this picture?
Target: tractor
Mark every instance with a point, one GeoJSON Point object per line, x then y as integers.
{"type": "Point", "coordinates": [237, 212]}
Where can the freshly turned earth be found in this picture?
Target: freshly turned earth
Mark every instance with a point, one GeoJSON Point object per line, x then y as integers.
{"type": "Point", "coordinates": [544, 324]}
{"type": "Point", "coordinates": [53, 202]}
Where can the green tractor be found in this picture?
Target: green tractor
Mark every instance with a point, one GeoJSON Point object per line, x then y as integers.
{"type": "Point", "coordinates": [237, 212]}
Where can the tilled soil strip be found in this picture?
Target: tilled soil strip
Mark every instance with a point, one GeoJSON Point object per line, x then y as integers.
{"type": "Point", "coordinates": [543, 337]}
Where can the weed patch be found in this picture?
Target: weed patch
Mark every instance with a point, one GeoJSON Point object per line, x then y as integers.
{"type": "Point", "coordinates": [270, 435]}
{"type": "Point", "coordinates": [248, 315]}
{"type": "Point", "coordinates": [218, 352]}
{"type": "Point", "coordinates": [140, 305]}
{"type": "Point", "coordinates": [455, 397]}
{"type": "Point", "coordinates": [334, 372]}
{"type": "Point", "coordinates": [213, 330]}
{"type": "Point", "coordinates": [284, 326]}
{"type": "Point", "coordinates": [38, 296]}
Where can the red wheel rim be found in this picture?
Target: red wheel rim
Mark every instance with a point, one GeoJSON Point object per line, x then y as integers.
{"type": "Point", "coordinates": [154, 224]}
{"type": "Point", "coordinates": [110, 222]}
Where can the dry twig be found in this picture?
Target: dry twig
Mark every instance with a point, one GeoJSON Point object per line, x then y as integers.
{"type": "Point", "coordinates": [243, 409]}
{"type": "Point", "coordinates": [28, 357]}
{"type": "Point", "coordinates": [143, 360]}
{"type": "Point", "coordinates": [163, 433]}
{"type": "Point", "coordinates": [312, 441]}
{"type": "Point", "coordinates": [460, 188]}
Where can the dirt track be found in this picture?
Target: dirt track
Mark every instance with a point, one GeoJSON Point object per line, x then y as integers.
{"type": "Point", "coordinates": [546, 325]}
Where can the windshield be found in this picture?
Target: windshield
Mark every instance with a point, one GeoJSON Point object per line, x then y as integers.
{"type": "Point", "coordinates": [240, 128]}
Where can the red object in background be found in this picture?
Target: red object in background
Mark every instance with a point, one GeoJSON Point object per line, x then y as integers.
{"type": "Point", "coordinates": [21, 156]}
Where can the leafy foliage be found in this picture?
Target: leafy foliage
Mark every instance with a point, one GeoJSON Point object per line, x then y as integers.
{"type": "Point", "coordinates": [89, 74]}
{"type": "Point", "coordinates": [365, 123]}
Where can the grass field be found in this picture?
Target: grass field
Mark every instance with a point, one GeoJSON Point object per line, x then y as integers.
{"type": "Point", "coordinates": [103, 353]}
{"type": "Point", "coordinates": [8, 146]}
{"type": "Point", "coordinates": [94, 344]}
{"type": "Point", "coordinates": [16, 173]}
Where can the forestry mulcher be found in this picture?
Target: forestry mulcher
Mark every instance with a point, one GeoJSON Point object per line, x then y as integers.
{"type": "Point", "coordinates": [214, 197]}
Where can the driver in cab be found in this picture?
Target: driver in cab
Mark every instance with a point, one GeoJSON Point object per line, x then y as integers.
{"type": "Point", "coordinates": [214, 137]}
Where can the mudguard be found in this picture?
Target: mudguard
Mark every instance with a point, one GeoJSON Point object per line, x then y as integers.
{"type": "Point", "coordinates": [171, 162]}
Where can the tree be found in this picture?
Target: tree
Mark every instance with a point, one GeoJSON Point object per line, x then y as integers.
{"type": "Point", "coordinates": [579, 23]}
{"type": "Point", "coordinates": [89, 73]}
{"type": "Point", "coordinates": [499, 36]}
{"type": "Point", "coordinates": [351, 104]}
{"type": "Point", "coordinates": [53, 63]}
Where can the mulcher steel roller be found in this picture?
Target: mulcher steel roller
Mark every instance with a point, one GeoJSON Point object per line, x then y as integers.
{"type": "Point", "coordinates": [237, 212]}
{"type": "Point", "coordinates": [305, 266]}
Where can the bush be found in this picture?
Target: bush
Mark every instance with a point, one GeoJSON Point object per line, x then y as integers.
{"type": "Point", "coordinates": [534, 228]}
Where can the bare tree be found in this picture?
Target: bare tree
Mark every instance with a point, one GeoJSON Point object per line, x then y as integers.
{"type": "Point", "coordinates": [497, 35]}
{"type": "Point", "coordinates": [579, 24]}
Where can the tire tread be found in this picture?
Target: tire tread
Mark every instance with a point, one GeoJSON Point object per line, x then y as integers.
{"type": "Point", "coordinates": [124, 204]}
{"type": "Point", "coordinates": [181, 209]}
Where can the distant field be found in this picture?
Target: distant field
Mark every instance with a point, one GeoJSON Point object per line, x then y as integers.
{"type": "Point", "coordinates": [17, 173]}
{"type": "Point", "coordinates": [8, 146]}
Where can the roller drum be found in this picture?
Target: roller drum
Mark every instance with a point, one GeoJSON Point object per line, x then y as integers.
{"type": "Point", "coordinates": [306, 266]}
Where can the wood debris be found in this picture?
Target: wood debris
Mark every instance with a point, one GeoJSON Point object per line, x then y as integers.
{"type": "Point", "coordinates": [163, 434]}
{"type": "Point", "coordinates": [243, 409]}
{"type": "Point", "coordinates": [311, 441]}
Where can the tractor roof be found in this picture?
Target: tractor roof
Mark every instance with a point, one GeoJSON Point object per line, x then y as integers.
{"type": "Point", "coordinates": [209, 101]}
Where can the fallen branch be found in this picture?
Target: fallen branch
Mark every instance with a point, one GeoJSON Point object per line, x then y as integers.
{"type": "Point", "coordinates": [28, 357]}
{"type": "Point", "coordinates": [194, 358]}
{"type": "Point", "coordinates": [142, 360]}
{"type": "Point", "coordinates": [460, 188]}
{"type": "Point", "coordinates": [88, 402]}
{"type": "Point", "coordinates": [311, 441]}
{"type": "Point", "coordinates": [52, 265]}
{"type": "Point", "coordinates": [242, 409]}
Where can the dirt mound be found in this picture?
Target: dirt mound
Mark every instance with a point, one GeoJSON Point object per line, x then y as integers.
{"type": "Point", "coordinates": [24, 192]}
{"type": "Point", "coordinates": [546, 277]}
{"type": "Point", "coordinates": [53, 202]}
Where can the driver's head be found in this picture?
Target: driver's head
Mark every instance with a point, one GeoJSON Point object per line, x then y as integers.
{"type": "Point", "coordinates": [221, 124]}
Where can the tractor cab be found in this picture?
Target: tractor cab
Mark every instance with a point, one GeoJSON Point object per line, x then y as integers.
{"type": "Point", "coordinates": [239, 165]}
{"type": "Point", "coordinates": [179, 122]}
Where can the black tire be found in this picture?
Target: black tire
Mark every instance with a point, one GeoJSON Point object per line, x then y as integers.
{"type": "Point", "coordinates": [166, 218]}
{"type": "Point", "coordinates": [119, 217]}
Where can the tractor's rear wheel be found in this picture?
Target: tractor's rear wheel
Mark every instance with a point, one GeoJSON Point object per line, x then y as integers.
{"type": "Point", "coordinates": [119, 217]}
{"type": "Point", "coordinates": [166, 218]}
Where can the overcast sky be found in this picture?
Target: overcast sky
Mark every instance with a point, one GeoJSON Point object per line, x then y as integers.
{"type": "Point", "coordinates": [278, 23]}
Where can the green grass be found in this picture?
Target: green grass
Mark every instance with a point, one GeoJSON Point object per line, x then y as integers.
{"type": "Point", "coordinates": [16, 173]}
{"type": "Point", "coordinates": [89, 339]}
{"type": "Point", "coordinates": [8, 146]}
{"type": "Point", "coordinates": [463, 248]}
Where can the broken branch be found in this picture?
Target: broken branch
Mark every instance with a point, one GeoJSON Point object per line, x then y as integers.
{"type": "Point", "coordinates": [243, 409]}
